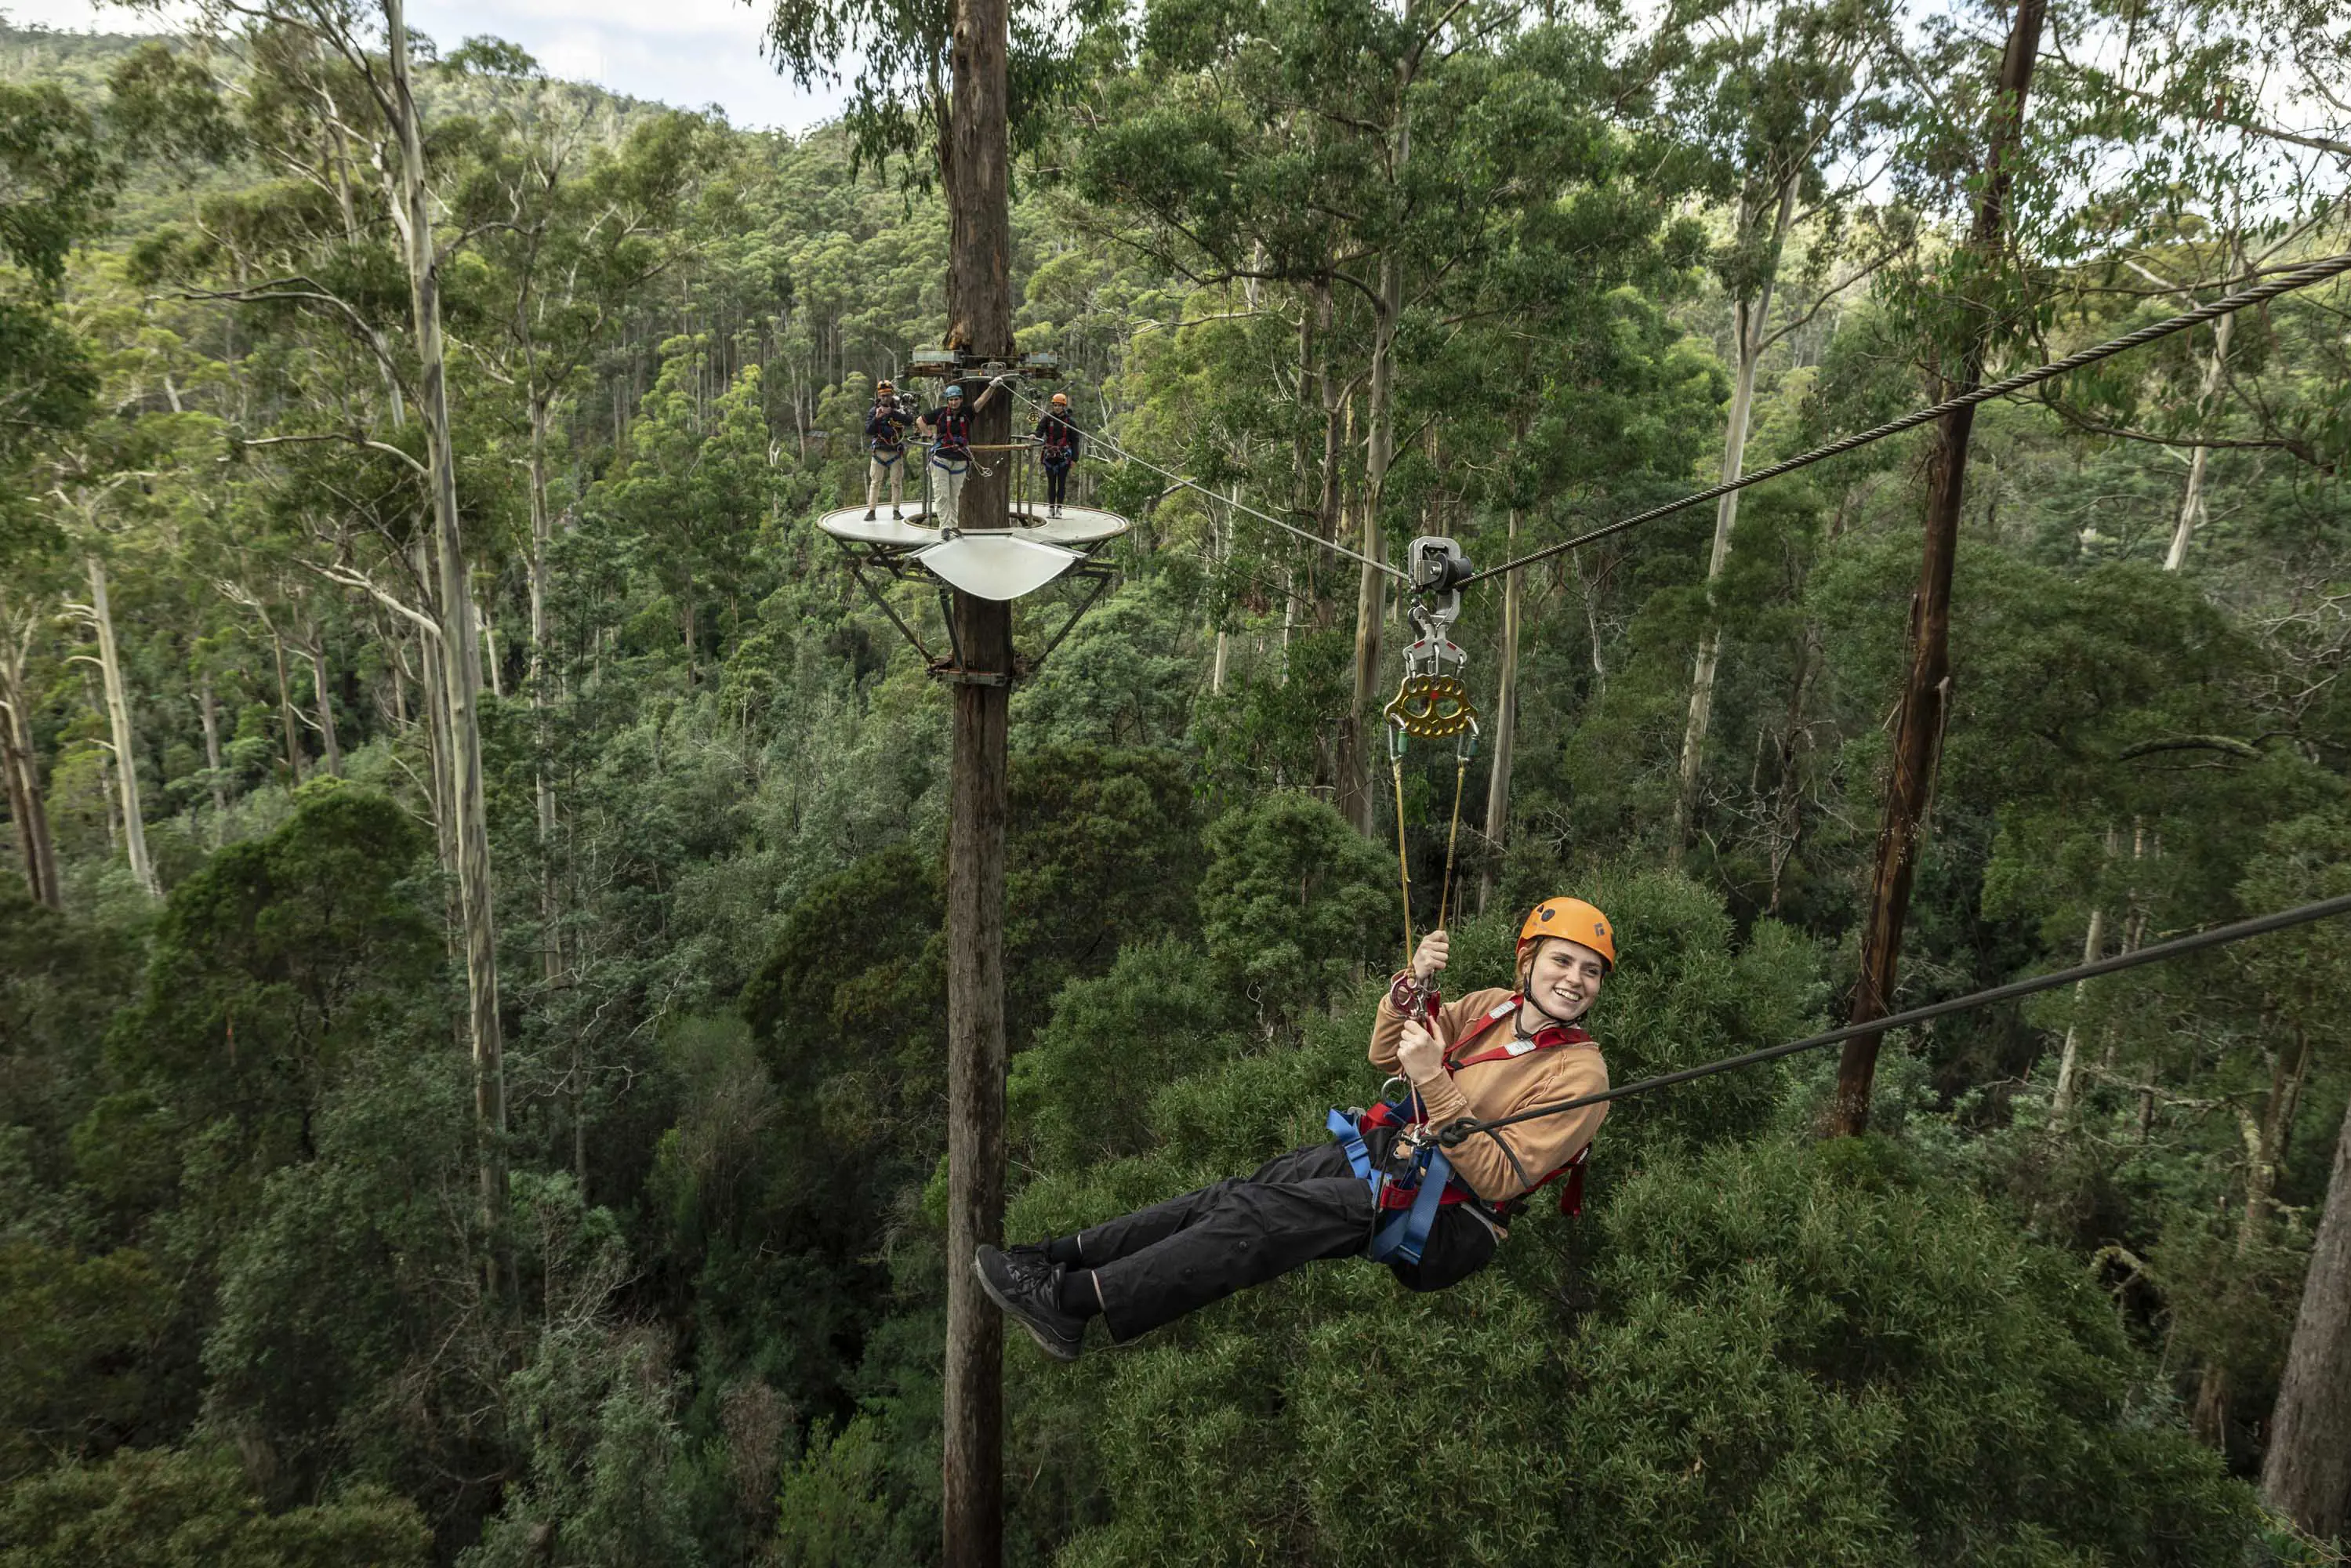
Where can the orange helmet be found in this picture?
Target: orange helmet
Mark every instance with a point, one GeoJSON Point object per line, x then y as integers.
{"type": "Point", "coordinates": [1061, 397]}
{"type": "Point", "coordinates": [1574, 920]}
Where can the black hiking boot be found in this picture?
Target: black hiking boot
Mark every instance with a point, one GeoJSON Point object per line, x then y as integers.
{"type": "Point", "coordinates": [1023, 1283]}
{"type": "Point", "coordinates": [869, 514]}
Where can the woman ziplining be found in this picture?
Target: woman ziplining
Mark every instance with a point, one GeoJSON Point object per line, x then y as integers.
{"type": "Point", "coordinates": [1379, 1188]}
{"type": "Point", "coordinates": [1359, 1195]}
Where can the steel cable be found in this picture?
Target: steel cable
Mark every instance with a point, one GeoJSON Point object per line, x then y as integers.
{"type": "Point", "coordinates": [2228, 304]}
{"type": "Point", "coordinates": [1455, 1132]}
{"type": "Point", "coordinates": [1313, 539]}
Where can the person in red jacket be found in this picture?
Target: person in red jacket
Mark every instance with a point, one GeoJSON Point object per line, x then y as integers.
{"type": "Point", "coordinates": [1489, 1054]}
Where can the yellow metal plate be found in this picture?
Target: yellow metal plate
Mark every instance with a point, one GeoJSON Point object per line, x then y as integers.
{"type": "Point", "coordinates": [1431, 707]}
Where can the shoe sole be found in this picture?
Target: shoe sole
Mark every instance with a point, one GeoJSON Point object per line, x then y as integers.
{"type": "Point", "coordinates": [1058, 1349]}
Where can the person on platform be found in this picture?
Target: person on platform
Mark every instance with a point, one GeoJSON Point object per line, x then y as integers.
{"type": "Point", "coordinates": [949, 426]}
{"type": "Point", "coordinates": [1058, 443]}
{"type": "Point", "coordinates": [885, 439]}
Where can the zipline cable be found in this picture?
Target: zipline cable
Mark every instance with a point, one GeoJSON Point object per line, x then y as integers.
{"type": "Point", "coordinates": [2228, 304]}
{"type": "Point", "coordinates": [1455, 1132]}
{"type": "Point", "coordinates": [1313, 539]}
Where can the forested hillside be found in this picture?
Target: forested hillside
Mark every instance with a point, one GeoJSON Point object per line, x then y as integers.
{"type": "Point", "coordinates": [472, 1001]}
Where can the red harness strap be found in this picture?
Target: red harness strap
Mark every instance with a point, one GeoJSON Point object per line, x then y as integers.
{"type": "Point", "coordinates": [1549, 1037]}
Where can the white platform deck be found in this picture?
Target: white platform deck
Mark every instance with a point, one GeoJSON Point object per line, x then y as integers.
{"type": "Point", "coordinates": [1077, 527]}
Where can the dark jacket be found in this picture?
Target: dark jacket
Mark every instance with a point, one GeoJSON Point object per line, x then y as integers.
{"type": "Point", "coordinates": [1061, 439]}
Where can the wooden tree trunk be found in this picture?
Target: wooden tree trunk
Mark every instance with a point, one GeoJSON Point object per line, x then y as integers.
{"type": "Point", "coordinates": [320, 688]}
{"type": "Point", "coordinates": [542, 535]}
{"type": "Point", "coordinates": [117, 718]}
{"type": "Point", "coordinates": [39, 850]}
{"type": "Point", "coordinates": [1750, 314]}
{"type": "Point", "coordinates": [15, 766]}
{"type": "Point", "coordinates": [209, 708]}
{"type": "Point", "coordinates": [1506, 723]}
{"type": "Point", "coordinates": [2061, 1104]}
{"type": "Point", "coordinates": [980, 312]}
{"type": "Point", "coordinates": [1926, 696]}
{"type": "Point", "coordinates": [460, 639]}
{"type": "Point", "coordinates": [492, 669]}
{"type": "Point", "coordinates": [1370, 584]}
{"type": "Point", "coordinates": [288, 725]}
{"type": "Point", "coordinates": [2306, 1474]}
{"type": "Point", "coordinates": [2264, 1140]}
{"type": "Point", "coordinates": [32, 817]}
{"type": "Point", "coordinates": [2191, 500]}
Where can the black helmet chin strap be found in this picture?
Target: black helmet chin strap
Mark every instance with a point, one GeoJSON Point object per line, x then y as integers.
{"type": "Point", "coordinates": [1527, 995]}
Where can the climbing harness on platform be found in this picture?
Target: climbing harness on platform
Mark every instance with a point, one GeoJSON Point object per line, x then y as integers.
{"type": "Point", "coordinates": [1433, 702]}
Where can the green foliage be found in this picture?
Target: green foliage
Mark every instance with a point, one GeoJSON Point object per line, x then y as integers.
{"type": "Point", "coordinates": [72, 1327]}
{"type": "Point", "coordinates": [60, 978]}
{"type": "Point", "coordinates": [835, 1507]}
{"type": "Point", "coordinates": [603, 1485]}
{"type": "Point", "coordinates": [279, 957]}
{"type": "Point", "coordinates": [55, 183]}
{"type": "Point", "coordinates": [1291, 904]}
{"type": "Point", "coordinates": [1772, 1353]}
{"type": "Point", "coordinates": [180, 1508]}
{"type": "Point", "coordinates": [1098, 854]}
{"type": "Point", "coordinates": [239, 1158]}
{"type": "Point", "coordinates": [1081, 1092]}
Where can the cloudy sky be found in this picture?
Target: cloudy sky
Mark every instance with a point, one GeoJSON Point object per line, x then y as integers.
{"type": "Point", "coordinates": [689, 53]}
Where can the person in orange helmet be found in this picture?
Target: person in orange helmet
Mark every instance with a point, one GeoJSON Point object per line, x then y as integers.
{"type": "Point", "coordinates": [1486, 1054]}
{"type": "Point", "coordinates": [1059, 441]}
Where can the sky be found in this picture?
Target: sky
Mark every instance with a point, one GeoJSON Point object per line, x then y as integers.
{"type": "Point", "coordinates": [688, 53]}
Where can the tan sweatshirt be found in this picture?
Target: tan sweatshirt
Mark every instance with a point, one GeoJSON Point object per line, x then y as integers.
{"type": "Point", "coordinates": [1498, 1088]}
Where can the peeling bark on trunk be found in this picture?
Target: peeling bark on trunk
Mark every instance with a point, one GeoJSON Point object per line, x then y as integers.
{"type": "Point", "coordinates": [1925, 698]}
{"type": "Point", "coordinates": [1506, 719]}
{"type": "Point", "coordinates": [290, 726]}
{"type": "Point", "coordinates": [321, 689]}
{"type": "Point", "coordinates": [460, 642]}
{"type": "Point", "coordinates": [2191, 501]}
{"type": "Point", "coordinates": [2307, 1473]}
{"type": "Point", "coordinates": [117, 718]}
{"type": "Point", "coordinates": [1370, 584]}
{"type": "Point", "coordinates": [1750, 315]}
{"type": "Point", "coordinates": [210, 708]}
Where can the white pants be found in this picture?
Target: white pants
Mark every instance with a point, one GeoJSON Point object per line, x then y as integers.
{"type": "Point", "coordinates": [946, 491]}
{"type": "Point", "coordinates": [896, 468]}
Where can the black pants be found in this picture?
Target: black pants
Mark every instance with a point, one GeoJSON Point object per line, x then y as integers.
{"type": "Point", "coordinates": [1057, 483]}
{"type": "Point", "coordinates": [1158, 1263]}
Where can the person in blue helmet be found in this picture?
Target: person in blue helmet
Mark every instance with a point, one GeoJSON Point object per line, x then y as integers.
{"type": "Point", "coordinates": [950, 427]}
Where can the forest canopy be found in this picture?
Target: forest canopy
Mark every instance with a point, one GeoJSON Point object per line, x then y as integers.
{"type": "Point", "coordinates": [473, 955]}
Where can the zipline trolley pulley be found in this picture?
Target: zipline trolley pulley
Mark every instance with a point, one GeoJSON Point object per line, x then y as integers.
{"type": "Point", "coordinates": [1433, 702]}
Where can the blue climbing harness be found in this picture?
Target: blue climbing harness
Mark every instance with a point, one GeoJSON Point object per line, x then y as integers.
{"type": "Point", "coordinates": [1400, 1239]}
